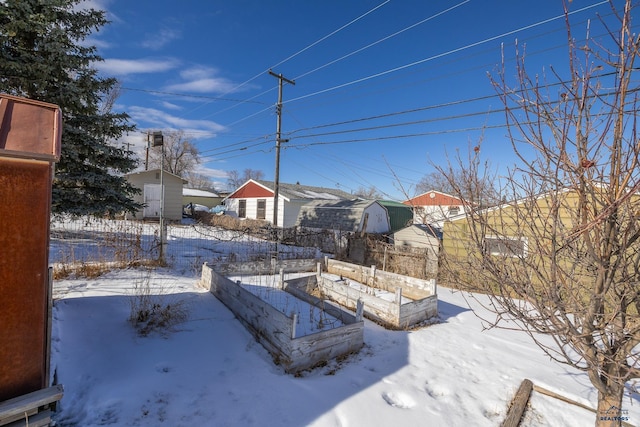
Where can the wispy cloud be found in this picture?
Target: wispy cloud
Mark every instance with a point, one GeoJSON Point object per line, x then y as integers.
{"type": "Point", "coordinates": [121, 67]}
{"type": "Point", "coordinates": [200, 79]}
{"type": "Point", "coordinates": [170, 106]}
{"type": "Point", "coordinates": [92, 4]}
{"type": "Point", "coordinates": [159, 39]}
{"type": "Point", "coordinates": [212, 173]}
{"type": "Point", "coordinates": [152, 117]}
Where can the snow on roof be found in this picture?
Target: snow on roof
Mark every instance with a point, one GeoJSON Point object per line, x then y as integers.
{"type": "Point", "coordinates": [192, 192]}
{"type": "Point", "coordinates": [298, 191]}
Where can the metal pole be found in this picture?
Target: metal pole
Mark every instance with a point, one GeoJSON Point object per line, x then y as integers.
{"type": "Point", "coordinates": [146, 160]}
{"type": "Point", "coordinates": [162, 230]}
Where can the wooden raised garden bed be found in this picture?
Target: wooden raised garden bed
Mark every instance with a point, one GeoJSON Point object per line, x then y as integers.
{"type": "Point", "coordinates": [279, 330]}
{"type": "Point", "coordinates": [391, 299]}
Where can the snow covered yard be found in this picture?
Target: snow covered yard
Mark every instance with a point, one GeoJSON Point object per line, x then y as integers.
{"type": "Point", "coordinates": [209, 371]}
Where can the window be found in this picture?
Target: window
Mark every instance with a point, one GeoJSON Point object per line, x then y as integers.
{"type": "Point", "coordinates": [262, 208]}
{"type": "Point", "coordinates": [506, 246]}
{"type": "Point", "coordinates": [242, 208]}
{"type": "Point", "coordinates": [454, 210]}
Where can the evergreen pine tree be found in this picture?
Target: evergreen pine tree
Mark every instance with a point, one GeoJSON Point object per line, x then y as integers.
{"type": "Point", "coordinates": [44, 56]}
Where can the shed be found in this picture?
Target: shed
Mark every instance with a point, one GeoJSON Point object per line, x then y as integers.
{"type": "Point", "coordinates": [400, 215]}
{"type": "Point", "coordinates": [149, 183]}
{"type": "Point", "coordinates": [418, 236]}
{"type": "Point", "coordinates": [200, 197]}
{"type": "Point", "coordinates": [344, 215]}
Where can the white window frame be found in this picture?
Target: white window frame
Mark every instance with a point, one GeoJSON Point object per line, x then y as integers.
{"type": "Point", "coordinates": [261, 212]}
{"type": "Point", "coordinates": [501, 239]}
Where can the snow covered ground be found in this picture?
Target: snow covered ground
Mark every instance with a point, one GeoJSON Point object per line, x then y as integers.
{"type": "Point", "coordinates": [209, 371]}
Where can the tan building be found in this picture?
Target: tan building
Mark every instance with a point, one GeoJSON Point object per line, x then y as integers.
{"type": "Point", "coordinates": [151, 196]}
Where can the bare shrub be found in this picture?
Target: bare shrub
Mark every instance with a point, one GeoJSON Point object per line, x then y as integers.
{"type": "Point", "coordinates": [238, 224]}
{"type": "Point", "coordinates": [151, 312]}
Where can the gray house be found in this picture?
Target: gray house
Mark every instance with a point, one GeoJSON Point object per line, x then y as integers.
{"type": "Point", "coordinates": [344, 215]}
{"type": "Point", "coordinates": [149, 182]}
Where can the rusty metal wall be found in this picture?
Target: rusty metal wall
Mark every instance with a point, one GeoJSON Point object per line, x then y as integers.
{"type": "Point", "coordinates": [25, 197]}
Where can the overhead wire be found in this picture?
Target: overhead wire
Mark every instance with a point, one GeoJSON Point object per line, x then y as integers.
{"type": "Point", "coordinates": [294, 55]}
{"type": "Point", "coordinates": [422, 61]}
{"type": "Point", "coordinates": [382, 39]}
{"type": "Point", "coordinates": [398, 68]}
{"type": "Point", "coordinates": [440, 55]}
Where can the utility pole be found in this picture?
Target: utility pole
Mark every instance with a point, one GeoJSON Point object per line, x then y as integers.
{"type": "Point", "coordinates": [276, 181]}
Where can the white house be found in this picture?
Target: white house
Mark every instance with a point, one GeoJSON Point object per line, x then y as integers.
{"type": "Point", "coordinates": [433, 207]}
{"type": "Point", "coordinates": [254, 199]}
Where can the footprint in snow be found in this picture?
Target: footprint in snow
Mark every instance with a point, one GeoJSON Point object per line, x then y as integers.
{"type": "Point", "coordinates": [163, 368]}
{"type": "Point", "coordinates": [436, 390]}
{"type": "Point", "coordinates": [398, 400]}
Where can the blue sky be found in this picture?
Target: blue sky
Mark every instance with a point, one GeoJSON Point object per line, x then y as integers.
{"type": "Point", "coordinates": [382, 88]}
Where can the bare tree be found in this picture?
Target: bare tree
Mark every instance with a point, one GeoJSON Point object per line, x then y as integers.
{"type": "Point", "coordinates": [110, 97]}
{"type": "Point", "coordinates": [486, 193]}
{"type": "Point", "coordinates": [199, 181]}
{"type": "Point", "coordinates": [370, 193]}
{"type": "Point", "coordinates": [180, 155]}
{"type": "Point", "coordinates": [563, 259]}
{"type": "Point", "coordinates": [434, 181]}
{"type": "Point", "coordinates": [235, 179]}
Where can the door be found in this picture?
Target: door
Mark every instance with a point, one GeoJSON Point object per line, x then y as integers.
{"type": "Point", "coordinates": [152, 200]}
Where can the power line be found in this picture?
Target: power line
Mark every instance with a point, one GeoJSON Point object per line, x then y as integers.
{"type": "Point", "coordinates": [383, 39]}
{"type": "Point", "coordinates": [185, 95]}
{"type": "Point", "coordinates": [399, 68]}
{"type": "Point", "coordinates": [392, 125]}
{"type": "Point", "coordinates": [449, 52]}
{"type": "Point", "coordinates": [296, 54]}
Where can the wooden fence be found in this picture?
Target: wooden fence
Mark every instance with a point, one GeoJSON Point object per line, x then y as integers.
{"type": "Point", "coordinates": [421, 263]}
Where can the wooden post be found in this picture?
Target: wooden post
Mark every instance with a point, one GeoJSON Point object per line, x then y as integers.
{"type": "Point", "coordinates": [372, 282]}
{"type": "Point", "coordinates": [281, 278]}
{"type": "Point", "coordinates": [384, 259]}
{"type": "Point", "coordinates": [319, 269]}
{"type": "Point", "coordinates": [518, 404]}
{"type": "Point", "coordinates": [294, 322]}
{"type": "Point", "coordinates": [359, 309]}
{"type": "Point", "coordinates": [398, 298]}
{"type": "Point", "coordinates": [364, 225]}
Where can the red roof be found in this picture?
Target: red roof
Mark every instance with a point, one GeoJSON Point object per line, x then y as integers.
{"type": "Point", "coordinates": [434, 198]}
{"type": "Point", "coordinates": [249, 190]}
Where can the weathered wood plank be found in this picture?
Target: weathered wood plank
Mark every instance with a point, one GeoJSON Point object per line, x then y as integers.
{"type": "Point", "coordinates": [518, 404]}
{"type": "Point", "coordinates": [268, 266]}
{"type": "Point", "coordinates": [412, 287]}
{"type": "Point", "coordinates": [418, 311]}
{"type": "Point", "coordinates": [41, 419]}
{"type": "Point", "coordinates": [21, 404]}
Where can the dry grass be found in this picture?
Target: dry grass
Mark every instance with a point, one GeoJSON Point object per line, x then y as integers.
{"type": "Point", "coordinates": [150, 310]}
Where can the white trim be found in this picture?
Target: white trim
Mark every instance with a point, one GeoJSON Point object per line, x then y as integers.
{"type": "Point", "coordinates": [501, 239]}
